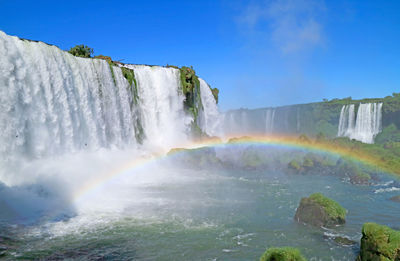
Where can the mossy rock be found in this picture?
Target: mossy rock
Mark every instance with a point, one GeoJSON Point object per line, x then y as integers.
{"type": "Point", "coordinates": [294, 165]}
{"type": "Point", "coordinates": [379, 243]}
{"type": "Point", "coordinates": [282, 254]}
{"type": "Point", "coordinates": [308, 162]}
{"type": "Point", "coordinates": [318, 210]}
{"type": "Point", "coordinates": [344, 241]}
{"type": "Point", "coordinates": [199, 158]}
{"type": "Point", "coordinates": [395, 198]}
{"type": "Point", "coordinates": [360, 178]}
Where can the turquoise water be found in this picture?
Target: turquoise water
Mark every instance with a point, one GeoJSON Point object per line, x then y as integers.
{"type": "Point", "coordinates": [214, 214]}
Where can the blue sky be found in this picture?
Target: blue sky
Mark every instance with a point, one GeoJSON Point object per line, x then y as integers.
{"type": "Point", "coordinates": [258, 53]}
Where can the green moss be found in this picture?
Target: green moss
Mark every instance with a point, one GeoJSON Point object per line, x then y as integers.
{"type": "Point", "coordinates": [282, 254]}
{"type": "Point", "coordinates": [308, 162]}
{"type": "Point", "coordinates": [215, 93]}
{"type": "Point", "coordinates": [191, 90]}
{"type": "Point", "coordinates": [331, 207]}
{"type": "Point", "coordinates": [129, 75]}
{"type": "Point", "coordinates": [139, 132]}
{"type": "Point", "coordinates": [294, 165]}
{"type": "Point", "coordinates": [112, 72]}
{"type": "Point", "coordinates": [379, 243]}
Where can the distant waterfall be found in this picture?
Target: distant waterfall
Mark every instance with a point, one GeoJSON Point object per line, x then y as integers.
{"type": "Point", "coordinates": [365, 126]}
{"type": "Point", "coordinates": [209, 116]}
{"type": "Point", "coordinates": [269, 120]}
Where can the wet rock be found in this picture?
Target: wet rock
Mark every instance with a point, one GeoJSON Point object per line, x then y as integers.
{"type": "Point", "coordinates": [360, 179]}
{"type": "Point", "coordinates": [379, 243]}
{"type": "Point", "coordinates": [196, 158]}
{"type": "Point", "coordinates": [344, 241]}
{"type": "Point", "coordinates": [295, 165]}
{"type": "Point", "coordinates": [395, 198]}
{"type": "Point", "coordinates": [318, 210]}
{"type": "Point", "coordinates": [282, 254]}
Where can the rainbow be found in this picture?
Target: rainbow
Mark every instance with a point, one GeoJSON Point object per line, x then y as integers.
{"type": "Point", "coordinates": [281, 141]}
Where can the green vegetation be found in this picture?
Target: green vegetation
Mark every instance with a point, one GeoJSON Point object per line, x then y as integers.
{"type": "Point", "coordinates": [190, 86]}
{"type": "Point", "coordinates": [318, 210]}
{"type": "Point", "coordinates": [191, 90]}
{"type": "Point", "coordinates": [215, 93]}
{"type": "Point", "coordinates": [252, 159]}
{"type": "Point", "coordinates": [379, 243]}
{"type": "Point", "coordinates": [81, 51]}
{"type": "Point", "coordinates": [295, 165]}
{"type": "Point", "coordinates": [384, 156]}
{"type": "Point", "coordinates": [282, 254]}
{"type": "Point", "coordinates": [389, 134]}
{"type": "Point", "coordinates": [308, 162]}
{"type": "Point", "coordinates": [332, 208]}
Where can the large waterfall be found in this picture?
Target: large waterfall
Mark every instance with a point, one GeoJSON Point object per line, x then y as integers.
{"type": "Point", "coordinates": [363, 127]}
{"type": "Point", "coordinates": [52, 103]}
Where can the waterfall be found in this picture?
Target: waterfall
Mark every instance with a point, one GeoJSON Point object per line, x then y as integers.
{"type": "Point", "coordinates": [365, 126]}
{"type": "Point", "coordinates": [161, 109]}
{"type": "Point", "coordinates": [52, 102]}
{"type": "Point", "coordinates": [209, 116]}
{"type": "Point", "coordinates": [269, 120]}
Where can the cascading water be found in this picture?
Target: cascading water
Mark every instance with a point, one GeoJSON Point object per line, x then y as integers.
{"type": "Point", "coordinates": [65, 121]}
{"type": "Point", "coordinates": [209, 116]}
{"type": "Point", "coordinates": [161, 109]}
{"type": "Point", "coordinates": [269, 120]}
{"type": "Point", "coordinates": [365, 126]}
{"type": "Point", "coordinates": [52, 102]}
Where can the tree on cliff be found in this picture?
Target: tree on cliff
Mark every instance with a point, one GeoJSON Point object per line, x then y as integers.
{"type": "Point", "coordinates": [81, 51]}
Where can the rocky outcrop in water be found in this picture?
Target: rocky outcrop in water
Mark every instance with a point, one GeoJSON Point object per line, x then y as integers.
{"type": "Point", "coordinates": [282, 254]}
{"type": "Point", "coordinates": [395, 198]}
{"type": "Point", "coordinates": [196, 158]}
{"type": "Point", "coordinates": [318, 210]}
{"type": "Point", "coordinates": [379, 243]}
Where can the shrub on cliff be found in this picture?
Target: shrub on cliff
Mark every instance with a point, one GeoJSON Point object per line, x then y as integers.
{"type": "Point", "coordinates": [81, 51]}
{"type": "Point", "coordinates": [282, 254]}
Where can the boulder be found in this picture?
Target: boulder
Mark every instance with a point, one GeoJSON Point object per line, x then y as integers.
{"type": "Point", "coordinates": [344, 241]}
{"type": "Point", "coordinates": [360, 179]}
{"type": "Point", "coordinates": [295, 165]}
{"type": "Point", "coordinates": [282, 254]}
{"type": "Point", "coordinates": [318, 210]}
{"type": "Point", "coordinates": [379, 243]}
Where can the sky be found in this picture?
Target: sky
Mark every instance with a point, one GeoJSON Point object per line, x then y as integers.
{"type": "Point", "coordinates": [257, 53]}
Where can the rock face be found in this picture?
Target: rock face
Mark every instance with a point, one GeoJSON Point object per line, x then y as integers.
{"type": "Point", "coordinates": [320, 211]}
{"type": "Point", "coordinates": [379, 243]}
{"type": "Point", "coordinates": [282, 254]}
